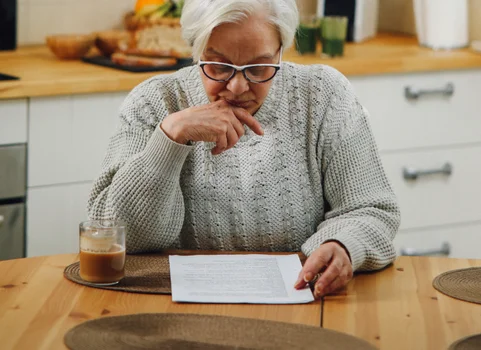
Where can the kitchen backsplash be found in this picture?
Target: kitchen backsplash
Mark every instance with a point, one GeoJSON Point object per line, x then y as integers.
{"type": "Point", "coordinates": [38, 18]}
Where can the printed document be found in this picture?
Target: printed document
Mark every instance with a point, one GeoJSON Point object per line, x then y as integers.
{"type": "Point", "coordinates": [244, 278]}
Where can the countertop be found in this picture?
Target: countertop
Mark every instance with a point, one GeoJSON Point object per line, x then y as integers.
{"type": "Point", "coordinates": [43, 75]}
{"type": "Point", "coordinates": [396, 308]}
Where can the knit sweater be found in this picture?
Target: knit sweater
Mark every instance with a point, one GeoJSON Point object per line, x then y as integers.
{"type": "Point", "coordinates": [315, 174]}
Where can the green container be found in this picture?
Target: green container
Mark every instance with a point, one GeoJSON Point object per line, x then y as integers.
{"type": "Point", "coordinates": [306, 38]}
{"type": "Point", "coordinates": [333, 35]}
{"type": "Point", "coordinates": [307, 34]}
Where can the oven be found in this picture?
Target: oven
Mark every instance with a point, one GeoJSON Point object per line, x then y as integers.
{"type": "Point", "coordinates": [12, 200]}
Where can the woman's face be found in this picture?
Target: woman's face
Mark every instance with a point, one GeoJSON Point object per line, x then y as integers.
{"type": "Point", "coordinates": [252, 41]}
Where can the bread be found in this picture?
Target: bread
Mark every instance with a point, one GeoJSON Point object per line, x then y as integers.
{"type": "Point", "coordinates": [141, 61]}
{"type": "Point", "coordinates": [158, 41]}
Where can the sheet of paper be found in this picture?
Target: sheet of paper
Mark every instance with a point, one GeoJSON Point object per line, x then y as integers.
{"type": "Point", "coordinates": [246, 278]}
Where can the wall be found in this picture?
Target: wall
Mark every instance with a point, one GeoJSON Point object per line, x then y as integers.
{"type": "Point", "coordinates": [398, 16]}
{"type": "Point", "coordinates": [38, 18]}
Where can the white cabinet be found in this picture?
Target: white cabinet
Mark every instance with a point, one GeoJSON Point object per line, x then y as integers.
{"type": "Point", "coordinates": [13, 121]}
{"type": "Point", "coordinates": [430, 123]}
{"type": "Point", "coordinates": [459, 241]}
{"type": "Point", "coordinates": [450, 196]}
{"type": "Point", "coordinates": [53, 216]}
{"type": "Point", "coordinates": [436, 118]}
{"type": "Point", "coordinates": [68, 136]}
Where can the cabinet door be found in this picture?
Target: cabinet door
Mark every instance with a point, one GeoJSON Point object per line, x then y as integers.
{"type": "Point", "coordinates": [457, 241]}
{"type": "Point", "coordinates": [441, 115]}
{"type": "Point", "coordinates": [449, 195]}
{"type": "Point", "coordinates": [13, 121]}
{"type": "Point", "coordinates": [68, 136]}
{"type": "Point", "coordinates": [53, 216]}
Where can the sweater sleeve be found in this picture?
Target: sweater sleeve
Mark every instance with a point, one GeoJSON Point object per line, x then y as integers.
{"type": "Point", "coordinates": [139, 177]}
{"type": "Point", "coordinates": [362, 210]}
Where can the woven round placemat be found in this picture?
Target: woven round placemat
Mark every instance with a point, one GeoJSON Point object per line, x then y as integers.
{"type": "Point", "coordinates": [462, 284]}
{"type": "Point", "coordinates": [189, 331]}
{"type": "Point", "coordinates": [147, 273]}
{"type": "Point", "coordinates": [472, 342]}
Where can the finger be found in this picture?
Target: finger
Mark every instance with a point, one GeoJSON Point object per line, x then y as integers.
{"type": "Point", "coordinates": [313, 265]}
{"type": "Point", "coordinates": [337, 284]}
{"type": "Point", "coordinates": [232, 137]}
{"type": "Point", "coordinates": [239, 128]}
{"type": "Point", "coordinates": [332, 272]}
{"type": "Point", "coordinates": [220, 145]}
{"type": "Point", "coordinates": [247, 119]}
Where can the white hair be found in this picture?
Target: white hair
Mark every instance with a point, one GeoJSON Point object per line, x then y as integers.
{"type": "Point", "coordinates": [200, 17]}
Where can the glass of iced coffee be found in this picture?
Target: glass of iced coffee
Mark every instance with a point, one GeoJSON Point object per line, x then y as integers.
{"type": "Point", "coordinates": [102, 251]}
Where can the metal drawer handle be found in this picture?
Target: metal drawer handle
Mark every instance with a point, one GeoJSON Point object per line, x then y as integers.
{"type": "Point", "coordinates": [2, 219]}
{"type": "Point", "coordinates": [413, 94]}
{"type": "Point", "coordinates": [445, 250]}
{"type": "Point", "coordinates": [413, 174]}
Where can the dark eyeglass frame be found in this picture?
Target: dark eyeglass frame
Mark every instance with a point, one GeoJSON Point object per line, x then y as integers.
{"type": "Point", "coordinates": [242, 69]}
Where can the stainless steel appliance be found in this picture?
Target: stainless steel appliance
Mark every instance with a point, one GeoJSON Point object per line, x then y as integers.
{"type": "Point", "coordinates": [12, 201]}
{"type": "Point", "coordinates": [8, 24]}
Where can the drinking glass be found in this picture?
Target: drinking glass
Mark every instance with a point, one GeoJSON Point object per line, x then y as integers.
{"type": "Point", "coordinates": [307, 34]}
{"type": "Point", "coordinates": [102, 251]}
{"type": "Point", "coordinates": [333, 35]}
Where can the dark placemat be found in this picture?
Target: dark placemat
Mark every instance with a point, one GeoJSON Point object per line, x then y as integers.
{"type": "Point", "coordinates": [147, 273]}
{"type": "Point", "coordinates": [472, 342]}
{"type": "Point", "coordinates": [188, 331]}
{"type": "Point", "coordinates": [106, 62]}
{"type": "Point", "coordinates": [462, 284]}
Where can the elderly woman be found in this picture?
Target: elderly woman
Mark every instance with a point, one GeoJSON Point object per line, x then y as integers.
{"type": "Point", "coordinates": [244, 152]}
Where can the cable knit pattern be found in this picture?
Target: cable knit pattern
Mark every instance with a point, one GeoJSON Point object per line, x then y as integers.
{"type": "Point", "coordinates": [314, 176]}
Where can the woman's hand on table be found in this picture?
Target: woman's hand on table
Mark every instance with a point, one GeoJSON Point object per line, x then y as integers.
{"type": "Point", "coordinates": [332, 261]}
{"type": "Point", "coordinates": [216, 122]}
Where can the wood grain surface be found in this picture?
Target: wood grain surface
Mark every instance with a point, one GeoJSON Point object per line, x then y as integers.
{"type": "Point", "coordinates": [42, 74]}
{"type": "Point", "coordinates": [38, 305]}
{"type": "Point", "coordinates": [398, 308]}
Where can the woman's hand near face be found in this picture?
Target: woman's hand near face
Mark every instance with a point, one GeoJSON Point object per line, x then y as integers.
{"type": "Point", "coordinates": [216, 122]}
{"type": "Point", "coordinates": [332, 260]}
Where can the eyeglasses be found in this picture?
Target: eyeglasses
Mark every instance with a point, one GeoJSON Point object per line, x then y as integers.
{"type": "Point", "coordinates": [255, 73]}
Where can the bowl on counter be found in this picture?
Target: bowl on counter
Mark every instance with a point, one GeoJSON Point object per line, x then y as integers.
{"type": "Point", "coordinates": [70, 46]}
{"type": "Point", "coordinates": [107, 42]}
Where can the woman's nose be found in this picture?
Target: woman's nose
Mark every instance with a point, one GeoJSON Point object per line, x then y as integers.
{"type": "Point", "coordinates": [238, 84]}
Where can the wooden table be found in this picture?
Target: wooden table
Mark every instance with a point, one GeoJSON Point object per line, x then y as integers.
{"type": "Point", "coordinates": [38, 305]}
{"type": "Point", "coordinates": [396, 308]}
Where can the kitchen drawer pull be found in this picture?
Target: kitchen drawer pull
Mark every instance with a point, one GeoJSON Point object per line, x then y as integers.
{"type": "Point", "coordinates": [445, 250]}
{"type": "Point", "coordinates": [413, 94]}
{"type": "Point", "coordinates": [2, 219]}
{"type": "Point", "coordinates": [413, 174]}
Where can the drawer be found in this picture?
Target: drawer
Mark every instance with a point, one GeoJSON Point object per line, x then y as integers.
{"type": "Point", "coordinates": [13, 121]}
{"type": "Point", "coordinates": [432, 119]}
{"type": "Point", "coordinates": [459, 241]}
{"type": "Point", "coordinates": [440, 198]}
{"type": "Point", "coordinates": [68, 136]}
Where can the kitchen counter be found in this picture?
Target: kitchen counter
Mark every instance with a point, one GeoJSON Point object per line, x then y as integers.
{"type": "Point", "coordinates": [41, 74]}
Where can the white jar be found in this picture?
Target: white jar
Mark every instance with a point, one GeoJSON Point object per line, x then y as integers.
{"type": "Point", "coordinates": [442, 24]}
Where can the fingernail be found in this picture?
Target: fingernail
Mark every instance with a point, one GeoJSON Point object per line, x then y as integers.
{"type": "Point", "coordinates": [308, 277]}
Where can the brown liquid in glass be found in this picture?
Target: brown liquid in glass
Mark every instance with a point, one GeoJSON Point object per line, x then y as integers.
{"type": "Point", "coordinates": [102, 267]}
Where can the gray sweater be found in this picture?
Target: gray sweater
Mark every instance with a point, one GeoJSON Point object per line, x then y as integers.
{"type": "Point", "coordinates": [314, 175]}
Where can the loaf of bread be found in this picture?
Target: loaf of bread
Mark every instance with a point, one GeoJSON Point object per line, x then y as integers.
{"type": "Point", "coordinates": [141, 61]}
{"type": "Point", "coordinates": [159, 41]}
